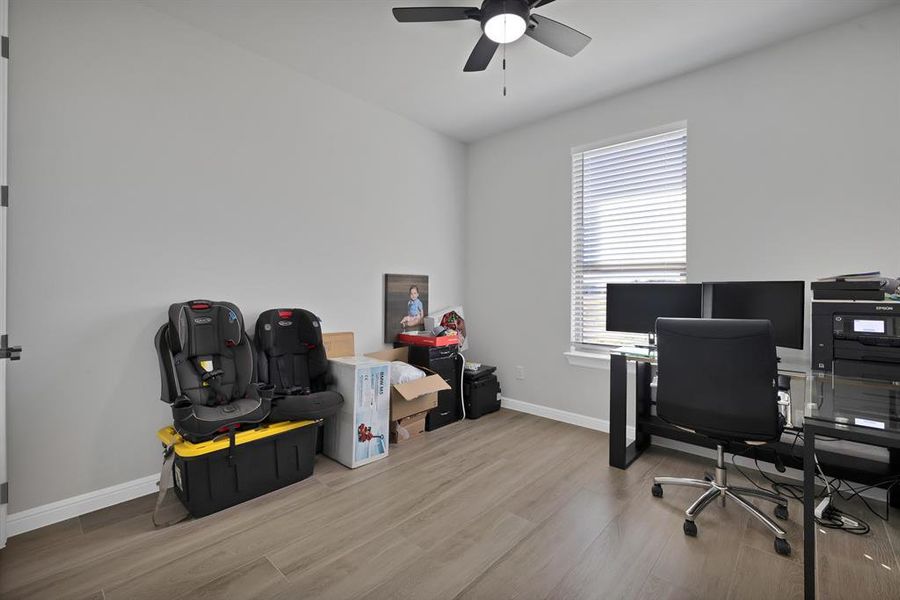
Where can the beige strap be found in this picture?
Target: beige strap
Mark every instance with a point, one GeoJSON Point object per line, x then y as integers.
{"type": "Point", "coordinates": [165, 482]}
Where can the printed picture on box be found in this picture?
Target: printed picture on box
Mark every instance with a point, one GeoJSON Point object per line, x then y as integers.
{"type": "Point", "coordinates": [372, 410]}
{"type": "Point", "coordinates": [405, 304]}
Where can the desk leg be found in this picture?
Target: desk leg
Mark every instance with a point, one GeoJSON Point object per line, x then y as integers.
{"type": "Point", "coordinates": [621, 453]}
{"type": "Point", "coordinates": [894, 465]}
{"type": "Point", "coordinates": [618, 411]}
{"type": "Point", "coordinates": [809, 506]}
{"type": "Point", "coordinates": [643, 377]}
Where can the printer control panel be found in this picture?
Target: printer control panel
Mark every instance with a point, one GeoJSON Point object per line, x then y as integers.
{"type": "Point", "coordinates": [870, 330]}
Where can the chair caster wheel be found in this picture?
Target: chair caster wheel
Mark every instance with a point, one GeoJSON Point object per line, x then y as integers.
{"type": "Point", "coordinates": [690, 528]}
{"type": "Point", "coordinates": [656, 490]}
{"type": "Point", "coordinates": [782, 547]}
{"type": "Point", "coordinates": [781, 512]}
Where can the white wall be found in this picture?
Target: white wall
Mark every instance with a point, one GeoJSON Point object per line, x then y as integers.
{"type": "Point", "coordinates": [150, 163]}
{"type": "Point", "coordinates": [793, 173]}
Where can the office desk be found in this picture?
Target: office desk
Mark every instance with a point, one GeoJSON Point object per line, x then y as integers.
{"type": "Point", "coordinates": [621, 452]}
{"type": "Point", "coordinates": [857, 410]}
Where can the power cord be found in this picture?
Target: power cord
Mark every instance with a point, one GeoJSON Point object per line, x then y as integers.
{"type": "Point", "coordinates": [835, 518]}
{"type": "Point", "coordinates": [891, 483]}
{"type": "Point", "coordinates": [462, 386]}
{"type": "Point", "coordinates": [831, 516]}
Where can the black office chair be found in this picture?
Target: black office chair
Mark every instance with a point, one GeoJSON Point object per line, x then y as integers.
{"type": "Point", "coordinates": [718, 378]}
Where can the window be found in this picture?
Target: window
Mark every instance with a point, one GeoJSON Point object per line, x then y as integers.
{"type": "Point", "coordinates": [628, 224]}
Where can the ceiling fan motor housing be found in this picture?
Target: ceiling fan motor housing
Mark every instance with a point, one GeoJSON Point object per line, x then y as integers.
{"type": "Point", "coordinates": [492, 8]}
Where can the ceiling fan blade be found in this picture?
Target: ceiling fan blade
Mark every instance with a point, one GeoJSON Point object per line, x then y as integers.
{"type": "Point", "coordinates": [427, 14]}
{"type": "Point", "coordinates": [481, 55]}
{"type": "Point", "coordinates": [538, 3]}
{"type": "Point", "coordinates": [554, 34]}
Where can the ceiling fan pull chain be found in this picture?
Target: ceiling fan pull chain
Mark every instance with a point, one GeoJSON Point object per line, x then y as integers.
{"type": "Point", "coordinates": [504, 70]}
{"type": "Point", "coordinates": [504, 50]}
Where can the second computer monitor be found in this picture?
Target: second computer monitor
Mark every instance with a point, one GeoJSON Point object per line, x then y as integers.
{"type": "Point", "coordinates": [634, 307]}
{"type": "Point", "coordinates": [781, 302]}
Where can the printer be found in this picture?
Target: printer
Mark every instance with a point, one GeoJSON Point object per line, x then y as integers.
{"type": "Point", "coordinates": [857, 339]}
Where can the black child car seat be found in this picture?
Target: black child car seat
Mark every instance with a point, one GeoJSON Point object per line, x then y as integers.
{"type": "Point", "coordinates": [290, 356]}
{"type": "Point", "coordinates": [206, 366]}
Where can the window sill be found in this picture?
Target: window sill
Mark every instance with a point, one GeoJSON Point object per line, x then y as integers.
{"type": "Point", "coordinates": [589, 360]}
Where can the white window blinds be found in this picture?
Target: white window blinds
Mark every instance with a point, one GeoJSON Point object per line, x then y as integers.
{"type": "Point", "coordinates": [628, 225]}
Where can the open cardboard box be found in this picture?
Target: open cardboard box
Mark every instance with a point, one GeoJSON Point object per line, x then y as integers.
{"type": "Point", "coordinates": [416, 396]}
{"type": "Point", "coordinates": [408, 428]}
{"type": "Point", "coordinates": [339, 344]}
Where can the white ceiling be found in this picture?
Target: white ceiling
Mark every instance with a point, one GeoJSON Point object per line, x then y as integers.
{"type": "Point", "coordinates": [416, 69]}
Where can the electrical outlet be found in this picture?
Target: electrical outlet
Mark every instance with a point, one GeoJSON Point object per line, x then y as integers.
{"type": "Point", "coordinates": [520, 372]}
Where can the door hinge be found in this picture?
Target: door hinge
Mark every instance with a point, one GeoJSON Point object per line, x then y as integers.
{"type": "Point", "coordinates": [4, 195]}
{"type": "Point", "coordinates": [7, 351]}
{"type": "Point", "coordinates": [4, 492]}
{"type": "Point", "coordinates": [4, 47]}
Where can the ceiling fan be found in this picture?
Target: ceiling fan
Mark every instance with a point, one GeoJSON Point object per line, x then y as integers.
{"type": "Point", "coordinates": [502, 22]}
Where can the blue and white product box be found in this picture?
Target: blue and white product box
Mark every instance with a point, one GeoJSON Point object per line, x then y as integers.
{"type": "Point", "coordinates": [358, 434]}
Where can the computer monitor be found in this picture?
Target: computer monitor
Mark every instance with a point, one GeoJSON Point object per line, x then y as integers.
{"type": "Point", "coordinates": [781, 302]}
{"type": "Point", "coordinates": [634, 307]}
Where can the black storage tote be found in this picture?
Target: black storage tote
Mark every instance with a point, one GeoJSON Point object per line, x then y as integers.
{"type": "Point", "coordinates": [213, 475]}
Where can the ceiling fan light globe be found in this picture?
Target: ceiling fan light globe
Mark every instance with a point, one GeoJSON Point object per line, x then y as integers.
{"type": "Point", "coordinates": [504, 28]}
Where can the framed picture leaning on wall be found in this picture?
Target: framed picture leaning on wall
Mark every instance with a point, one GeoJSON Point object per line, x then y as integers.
{"type": "Point", "coordinates": [405, 304]}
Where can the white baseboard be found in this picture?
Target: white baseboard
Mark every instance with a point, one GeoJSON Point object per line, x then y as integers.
{"type": "Point", "coordinates": [561, 415]}
{"type": "Point", "coordinates": [48, 514]}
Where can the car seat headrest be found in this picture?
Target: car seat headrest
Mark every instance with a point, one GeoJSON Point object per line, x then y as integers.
{"type": "Point", "coordinates": [288, 331]}
{"type": "Point", "coordinates": [204, 327]}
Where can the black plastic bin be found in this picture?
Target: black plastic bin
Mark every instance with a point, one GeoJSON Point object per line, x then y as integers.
{"type": "Point", "coordinates": [214, 475]}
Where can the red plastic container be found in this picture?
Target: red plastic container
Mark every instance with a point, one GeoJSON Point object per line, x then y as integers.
{"type": "Point", "coordinates": [432, 341]}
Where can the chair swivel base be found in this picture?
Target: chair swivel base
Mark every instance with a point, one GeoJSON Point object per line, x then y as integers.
{"type": "Point", "coordinates": [718, 488]}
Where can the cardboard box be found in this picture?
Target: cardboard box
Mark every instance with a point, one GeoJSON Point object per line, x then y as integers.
{"type": "Point", "coordinates": [338, 344]}
{"type": "Point", "coordinates": [408, 428]}
{"type": "Point", "coordinates": [416, 396]}
{"type": "Point", "coordinates": [358, 434]}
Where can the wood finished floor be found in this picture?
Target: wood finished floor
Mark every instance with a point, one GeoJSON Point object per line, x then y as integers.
{"type": "Point", "coordinates": [509, 506]}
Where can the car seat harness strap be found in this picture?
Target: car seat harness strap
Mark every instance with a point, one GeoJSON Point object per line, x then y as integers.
{"type": "Point", "coordinates": [213, 379]}
{"type": "Point", "coordinates": [286, 387]}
